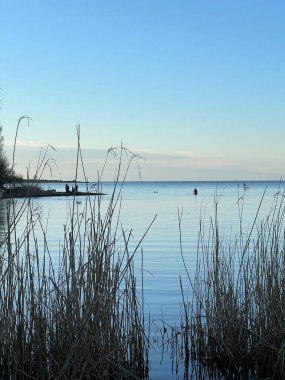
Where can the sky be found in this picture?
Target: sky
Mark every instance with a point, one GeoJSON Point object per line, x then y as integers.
{"type": "Point", "coordinates": [195, 88]}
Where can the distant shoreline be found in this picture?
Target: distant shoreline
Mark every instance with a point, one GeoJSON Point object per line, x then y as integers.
{"type": "Point", "coordinates": [46, 194]}
{"type": "Point", "coordinates": [53, 180]}
{"type": "Point", "coordinates": [154, 181]}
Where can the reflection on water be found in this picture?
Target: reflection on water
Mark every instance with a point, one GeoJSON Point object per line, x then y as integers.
{"type": "Point", "coordinates": [163, 265]}
{"type": "Point", "coordinates": [3, 220]}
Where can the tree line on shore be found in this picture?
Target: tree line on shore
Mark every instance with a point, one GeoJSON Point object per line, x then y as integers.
{"type": "Point", "coordinates": [6, 170]}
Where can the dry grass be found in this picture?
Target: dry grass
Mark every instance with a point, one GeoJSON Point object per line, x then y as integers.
{"type": "Point", "coordinates": [79, 317]}
{"type": "Point", "coordinates": [236, 320]}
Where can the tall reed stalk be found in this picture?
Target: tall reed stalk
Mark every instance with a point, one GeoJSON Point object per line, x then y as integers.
{"type": "Point", "coordinates": [76, 317]}
{"type": "Point", "coordinates": [236, 320]}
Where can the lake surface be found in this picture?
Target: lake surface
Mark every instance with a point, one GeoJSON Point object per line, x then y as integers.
{"type": "Point", "coordinates": [163, 265]}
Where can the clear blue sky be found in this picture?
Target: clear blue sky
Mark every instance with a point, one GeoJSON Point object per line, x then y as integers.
{"type": "Point", "coordinates": [196, 87]}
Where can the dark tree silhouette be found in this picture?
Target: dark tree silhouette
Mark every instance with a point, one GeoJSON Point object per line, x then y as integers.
{"type": "Point", "coordinates": [5, 167]}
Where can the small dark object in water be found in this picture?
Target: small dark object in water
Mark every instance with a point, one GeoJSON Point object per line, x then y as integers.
{"type": "Point", "coordinates": [195, 191]}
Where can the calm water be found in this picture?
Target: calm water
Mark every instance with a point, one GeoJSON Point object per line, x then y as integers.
{"type": "Point", "coordinates": [163, 265]}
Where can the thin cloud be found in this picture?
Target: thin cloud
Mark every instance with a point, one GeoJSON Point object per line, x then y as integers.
{"type": "Point", "coordinates": [39, 144]}
{"type": "Point", "coordinates": [185, 159]}
{"type": "Point", "coordinates": [196, 155]}
{"type": "Point", "coordinates": [26, 144]}
{"type": "Point", "coordinates": [179, 155]}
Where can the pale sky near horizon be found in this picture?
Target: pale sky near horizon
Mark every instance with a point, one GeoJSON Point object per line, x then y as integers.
{"type": "Point", "coordinates": [195, 87]}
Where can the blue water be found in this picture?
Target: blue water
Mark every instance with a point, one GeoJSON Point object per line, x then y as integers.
{"type": "Point", "coordinates": [163, 265]}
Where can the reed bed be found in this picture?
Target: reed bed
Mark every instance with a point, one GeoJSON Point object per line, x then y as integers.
{"type": "Point", "coordinates": [235, 322]}
{"type": "Point", "coordinates": [76, 317]}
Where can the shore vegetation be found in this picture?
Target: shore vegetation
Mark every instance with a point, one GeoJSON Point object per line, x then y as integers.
{"type": "Point", "coordinates": [77, 314]}
{"type": "Point", "coordinates": [234, 323]}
